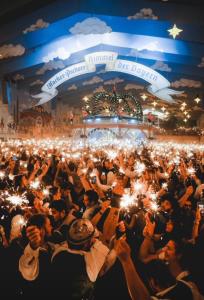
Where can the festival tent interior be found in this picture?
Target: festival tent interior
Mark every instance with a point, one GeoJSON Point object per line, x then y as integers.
{"type": "Point", "coordinates": [56, 53]}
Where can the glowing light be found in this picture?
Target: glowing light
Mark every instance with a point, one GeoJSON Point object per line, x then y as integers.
{"type": "Point", "coordinates": [85, 98]}
{"type": "Point", "coordinates": [35, 184]}
{"type": "Point", "coordinates": [138, 186]}
{"type": "Point", "coordinates": [174, 31]}
{"type": "Point", "coordinates": [2, 174]}
{"type": "Point", "coordinates": [46, 192]}
{"type": "Point", "coordinates": [153, 196]}
{"type": "Point", "coordinates": [154, 206]}
{"type": "Point", "coordinates": [17, 200]}
{"type": "Point", "coordinates": [191, 171]}
{"type": "Point", "coordinates": [140, 167]}
{"type": "Point", "coordinates": [144, 97]}
{"type": "Point", "coordinates": [126, 200]}
{"type": "Point", "coordinates": [11, 176]}
{"type": "Point", "coordinates": [197, 99]}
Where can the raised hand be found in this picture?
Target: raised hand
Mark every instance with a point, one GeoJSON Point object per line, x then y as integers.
{"type": "Point", "coordinates": [34, 235]}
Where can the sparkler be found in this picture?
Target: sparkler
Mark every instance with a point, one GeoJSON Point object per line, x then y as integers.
{"type": "Point", "coordinates": [191, 171]}
{"type": "Point", "coordinates": [11, 176]}
{"type": "Point", "coordinates": [164, 185]}
{"type": "Point", "coordinates": [46, 192]}
{"type": "Point", "coordinates": [17, 200]}
{"type": "Point", "coordinates": [35, 184]}
{"type": "Point", "coordinates": [126, 200]}
{"type": "Point", "coordinates": [2, 175]}
{"type": "Point", "coordinates": [140, 167]}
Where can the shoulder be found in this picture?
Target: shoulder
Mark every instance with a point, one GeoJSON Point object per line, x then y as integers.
{"type": "Point", "coordinates": [181, 291]}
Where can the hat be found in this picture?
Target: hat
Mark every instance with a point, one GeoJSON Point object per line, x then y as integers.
{"type": "Point", "coordinates": [80, 231]}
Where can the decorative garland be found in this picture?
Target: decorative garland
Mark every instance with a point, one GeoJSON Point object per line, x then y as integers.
{"type": "Point", "coordinates": [110, 105]}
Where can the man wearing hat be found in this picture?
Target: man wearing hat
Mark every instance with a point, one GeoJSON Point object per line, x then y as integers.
{"type": "Point", "coordinates": [75, 265]}
{"type": "Point", "coordinates": [75, 268]}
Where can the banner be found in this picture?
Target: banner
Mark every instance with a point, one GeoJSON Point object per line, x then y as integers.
{"type": "Point", "coordinates": [159, 85]}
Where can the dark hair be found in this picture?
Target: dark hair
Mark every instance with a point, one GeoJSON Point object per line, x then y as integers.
{"type": "Point", "coordinates": [59, 205]}
{"type": "Point", "coordinates": [159, 271]}
{"type": "Point", "coordinates": [72, 166]}
{"type": "Point", "coordinates": [92, 196]}
{"type": "Point", "coordinates": [185, 250]}
{"type": "Point", "coordinates": [37, 220]}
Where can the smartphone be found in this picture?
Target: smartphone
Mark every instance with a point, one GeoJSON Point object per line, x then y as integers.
{"type": "Point", "coordinates": [93, 179]}
{"type": "Point", "coordinates": [201, 208]}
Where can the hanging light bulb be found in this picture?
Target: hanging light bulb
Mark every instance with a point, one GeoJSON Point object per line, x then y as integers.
{"type": "Point", "coordinates": [163, 109]}
{"type": "Point", "coordinates": [185, 112]}
{"type": "Point", "coordinates": [197, 99]}
{"type": "Point", "coordinates": [185, 120]}
{"type": "Point", "coordinates": [154, 103]}
{"type": "Point", "coordinates": [182, 108]}
{"type": "Point", "coordinates": [184, 104]}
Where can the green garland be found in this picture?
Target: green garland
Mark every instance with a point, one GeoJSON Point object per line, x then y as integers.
{"type": "Point", "coordinates": [105, 104]}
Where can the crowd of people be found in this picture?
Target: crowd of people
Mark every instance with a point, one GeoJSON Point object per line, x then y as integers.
{"type": "Point", "coordinates": [105, 222]}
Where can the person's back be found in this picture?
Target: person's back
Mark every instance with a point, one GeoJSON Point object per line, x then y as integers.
{"type": "Point", "coordinates": [69, 276]}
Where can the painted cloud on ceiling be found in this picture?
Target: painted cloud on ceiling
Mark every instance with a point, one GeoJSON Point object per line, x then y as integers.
{"type": "Point", "coordinates": [99, 89]}
{"type": "Point", "coordinates": [153, 46]}
{"type": "Point", "coordinates": [38, 25]}
{"type": "Point", "coordinates": [72, 87]}
{"type": "Point", "coordinates": [36, 82]}
{"type": "Point", "coordinates": [93, 80]}
{"type": "Point", "coordinates": [184, 95]}
{"type": "Point", "coordinates": [114, 81]}
{"type": "Point", "coordinates": [133, 86]}
{"type": "Point", "coordinates": [134, 52]}
{"type": "Point", "coordinates": [51, 65]}
{"type": "Point", "coordinates": [183, 82]}
{"type": "Point", "coordinates": [90, 26]}
{"type": "Point", "coordinates": [161, 66]}
{"type": "Point", "coordinates": [10, 50]}
{"type": "Point", "coordinates": [201, 65]}
{"type": "Point", "coordinates": [144, 13]}
{"type": "Point", "coordinates": [59, 53]}
{"type": "Point", "coordinates": [17, 77]}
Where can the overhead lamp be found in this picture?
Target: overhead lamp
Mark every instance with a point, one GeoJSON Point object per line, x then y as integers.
{"type": "Point", "coordinates": [188, 116]}
{"type": "Point", "coordinates": [185, 120]}
{"type": "Point", "coordinates": [154, 103]}
{"type": "Point", "coordinates": [184, 104]}
{"type": "Point", "coordinates": [182, 108]}
{"type": "Point", "coordinates": [163, 109]}
{"type": "Point", "coordinates": [185, 112]}
{"type": "Point", "coordinates": [197, 99]}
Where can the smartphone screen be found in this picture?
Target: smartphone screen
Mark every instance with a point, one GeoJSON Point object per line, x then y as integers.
{"type": "Point", "coordinates": [201, 207]}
